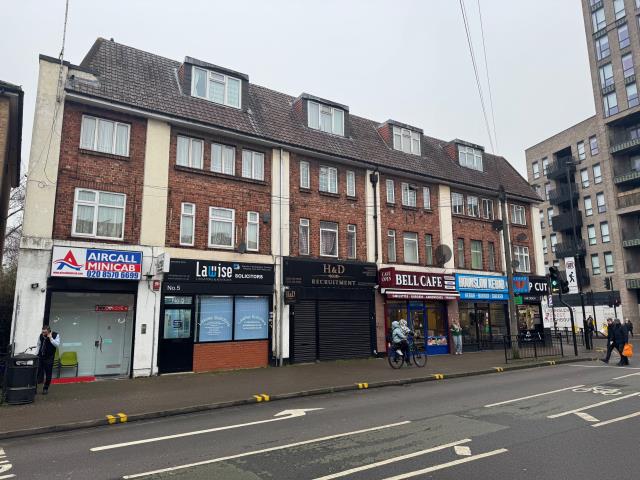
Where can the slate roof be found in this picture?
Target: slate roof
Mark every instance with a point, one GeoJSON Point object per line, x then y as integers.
{"type": "Point", "coordinates": [149, 82]}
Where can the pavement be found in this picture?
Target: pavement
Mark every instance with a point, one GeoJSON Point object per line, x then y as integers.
{"type": "Point", "coordinates": [566, 421]}
{"type": "Point", "coordinates": [84, 405]}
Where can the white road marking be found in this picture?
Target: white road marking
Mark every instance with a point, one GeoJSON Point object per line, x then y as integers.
{"type": "Point", "coordinates": [625, 376]}
{"type": "Point", "coordinates": [5, 466]}
{"type": "Point", "coordinates": [344, 473]}
{"type": "Point", "coordinates": [284, 415]}
{"type": "Point", "coordinates": [614, 420]}
{"type": "Point", "coordinates": [602, 366]}
{"type": "Point", "coordinates": [265, 450]}
{"type": "Point", "coordinates": [532, 396]}
{"type": "Point", "coordinates": [442, 466]}
{"type": "Point", "coordinates": [462, 450]}
{"type": "Point", "coordinates": [587, 417]}
{"type": "Point", "coordinates": [576, 410]}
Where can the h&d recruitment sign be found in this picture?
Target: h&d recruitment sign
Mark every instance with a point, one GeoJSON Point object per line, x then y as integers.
{"type": "Point", "coordinates": [400, 284]}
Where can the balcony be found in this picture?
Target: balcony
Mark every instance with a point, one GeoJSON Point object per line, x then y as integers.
{"type": "Point", "coordinates": [570, 249]}
{"type": "Point", "coordinates": [624, 140]}
{"type": "Point", "coordinates": [562, 195]}
{"type": "Point", "coordinates": [630, 237]}
{"type": "Point", "coordinates": [558, 170]}
{"type": "Point", "coordinates": [564, 222]}
{"type": "Point", "coordinates": [628, 200]}
{"type": "Point", "coordinates": [627, 177]}
{"type": "Point", "coordinates": [632, 266]}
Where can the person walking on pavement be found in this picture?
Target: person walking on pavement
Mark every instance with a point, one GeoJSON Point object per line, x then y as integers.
{"type": "Point", "coordinates": [621, 337]}
{"type": "Point", "coordinates": [610, 340]}
{"type": "Point", "coordinates": [629, 327]}
{"type": "Point", "coordinates": [590, 329]}
{"type": "Point", "coordinates": [456, 333]}
{"type": "Point", "coordinates": [48, 342]}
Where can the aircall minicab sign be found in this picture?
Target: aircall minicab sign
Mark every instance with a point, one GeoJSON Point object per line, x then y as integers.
{"type": "Point", "coordinates": [96, 263]}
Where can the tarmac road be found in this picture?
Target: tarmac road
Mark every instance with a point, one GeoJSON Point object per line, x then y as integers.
{"type": "Point", "coordinates": [563, 422]}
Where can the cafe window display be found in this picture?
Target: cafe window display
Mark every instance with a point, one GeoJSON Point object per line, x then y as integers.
{"type": "Point", "coordinates": [426, 319]}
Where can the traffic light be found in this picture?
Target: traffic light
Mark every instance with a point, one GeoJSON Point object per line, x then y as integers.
{"type": "Point", "coordinates": [554, 278]}
{"type": "Point", "coordinates": [607, 283]}
{"type": "Point", "coordinates": [564, 286]}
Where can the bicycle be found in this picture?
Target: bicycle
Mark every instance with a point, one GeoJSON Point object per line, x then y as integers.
{"type": "Point", "coordinates": [396, 360]}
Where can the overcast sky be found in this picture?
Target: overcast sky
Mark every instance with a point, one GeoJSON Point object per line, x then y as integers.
{"type": "Point", "coordinates": [405, 60]}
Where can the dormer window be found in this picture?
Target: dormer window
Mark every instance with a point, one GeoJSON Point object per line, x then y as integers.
{"type": "Point", "coordinates": [406, 140]}
{"type": "Point", "coordinates": [325, 118]}
{"type": "Point", "coordinates": [470, 157]}
{"type": "Point", "coordinates": [216, 87]}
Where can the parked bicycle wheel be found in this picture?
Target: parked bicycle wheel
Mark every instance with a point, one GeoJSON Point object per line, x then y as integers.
{"type": "Point", "coordinates": [395, 360]}
{"type": "Point", "coordinates": [419, 358]}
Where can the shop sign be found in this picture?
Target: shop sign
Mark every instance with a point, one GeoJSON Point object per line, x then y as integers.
{"type": "Point", "coordinates": [96, 263]}
{"type": "Point", "coordinates": [392, 278]}
{"type": "Point", "coordinates": [482, 287]}
{"type": "Point", "coordinates": [520, 285]}
{"type": "Point", "coordinates": [538, 286]}
{"type": "Point", "coordinates": [219, 272]}
{"type": "Point", "coordinates": [517, 300]}
{"type": "Point", "coordinates": [308, 273]}
{"type": "Point", "coordinates": [289, 297]}
{"type": "Point", "coordinates": [112, 308]}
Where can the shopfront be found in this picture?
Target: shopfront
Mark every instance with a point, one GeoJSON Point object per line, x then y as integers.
{"type": "Point", "coordinates": [331, 309]}
{"type": "Point", "coordinates": [483, 310]}
{"type": "Point", "coordinates": [215, 316]}
{"type": "Point", "coordinates": [420, 298]}
{"type": "Point", "coordinates": [529, 306]}
{"type": "Point", "coordinates": [91, 298]}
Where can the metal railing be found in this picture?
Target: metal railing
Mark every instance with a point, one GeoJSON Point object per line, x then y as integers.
{"type": "Point", "coordinates": [565, 221]}
{"type": "Point", "coordinates": [562, 194]}
{"type": "Point", "coordinates": [532, 345]}
{"type": "Point", "coordinates": [570, 249]}
{"type": "Point", "coordinates": [628, 200]}
{"type": "Point", "coordinates": [624, 139]}
{"type": "Point", "coordinates": [558, 168]}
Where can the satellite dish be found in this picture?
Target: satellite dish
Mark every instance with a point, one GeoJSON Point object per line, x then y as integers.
{"type": "Point", "coordinates": [522, 237]}
{"type": "Point", "coordinates": [515, 264]}
{"type": "Point", "coordinates": [442, 255]}
{"type": "Point", "coordinates": [242, 248]}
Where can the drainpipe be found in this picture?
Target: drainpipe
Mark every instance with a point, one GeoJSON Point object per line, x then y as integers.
{"type": "Point", "coordinates": [373, 178]}
{"type": "Point", "coordinates": [280, 294]}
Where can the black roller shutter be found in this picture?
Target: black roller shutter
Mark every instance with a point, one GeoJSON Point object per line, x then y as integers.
{"type": "Point", "coordinates": [304, 331]}
{"type": "Point", "coordinates": [344, 330]}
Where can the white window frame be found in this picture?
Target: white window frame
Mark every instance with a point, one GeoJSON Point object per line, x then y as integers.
{"type": "Point", "coordinates": [582, 153]}
{"type": "Point", "coordinates": [253, 218]}
{"type": "Point", "coordinates": [470, 157]}
{"type": "Point", "coordinates": [392, 252]}
{"type": "Point", "coordinates": [391, 191]}
{"type": "Point", "coordinates": [518, 215]}
{"type": "Point", "coordinates": [597, 178]}
{"type": "Point", "coordinates": [521, 254]}
{"type": "Point", "coordinates": [592, 239]}
{"type": "Point", "coordinates": [331, 174]}
{"type": "Point", "coordinates": [593, 142]}
{"type": "Point", "coordinates": [256, 158]}
{"type": "Point", "coordinates": [225, 81]}
{"type": "Point", "coordinates": [305, 174]}
{"type": "Point", "coordinates": [304, 225]}
{"type": "Point", "coordinates": [601, 202]}
{"type": "Point", "coordinates": [351, 242]}
{"type": "Point", "coordinates": [414, 240]}
{"type": "Point", "coordinates": [190, 159]}
{"type": "Point", "coordinates": [487, 209]}
{"type": "Point", "coordinates": [326, 109]}
{"type": "Point", "coordinates": [609, 267]}
{"type": "Point", "coordinates": [426, 198]}
{"type": "Point", "coordinates": [96, 207]}
{"type": "Point", "coordinates": [460, 246]}
{"type": "Point", "coordinates": [584, 178]}
{"type": "Point", "coordinates": [223, 168]}
{"type": "Point", "coordinates": [351, 183]}
{"type": "Point", "coordinates": [602, 235]}
{"type": "Point", "coordinates": [595, 265]}
{"type": "Point", "coordinates": [476, 254]}
{"type": "Point", "coordinates": [94, 145]}
{"type": "Point", "coordinates": [409, 195]}
{"type": "Point", "coordinates": [457, 203]}
{"type": "Point", "coordinates": [473, 206]}
{"type": "Point", "coordinates": [192, 215]}
{"type": "Point", "coordinates": [406, 140]}
{"type": "Point", "coordinates": [214, 218]}
{"type": "Point", "coordinates": [428, 248]}
{"type": "Point", "coordinates": [588, 206]}
{"type": "Point", "coordinates": [325, 228]}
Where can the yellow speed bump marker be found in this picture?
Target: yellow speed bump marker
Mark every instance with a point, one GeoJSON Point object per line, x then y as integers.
{"type": "Point", "coordinates": [363, 385]}
{"type": "Point", "coordinates": [262, 397]}
{"type": "Point", "coordinates": [438, 376]}
{"type": "Point", "coordinates": [111, 419]}
{"type": "Point", "coordinates": [123, 417]}
{"type": "Point", "coordinates": [499, 369]}
{"type": "Point", "coordinates": [552, 362]}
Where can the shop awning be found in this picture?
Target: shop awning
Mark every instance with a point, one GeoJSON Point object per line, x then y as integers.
{"type": "Point", "coordinates": [419, 295]}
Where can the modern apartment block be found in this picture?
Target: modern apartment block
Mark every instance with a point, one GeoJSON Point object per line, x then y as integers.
{"type": "Point", "coordinates": [187, 219]}
{"type": "Point", "coordinates": [603, 158]}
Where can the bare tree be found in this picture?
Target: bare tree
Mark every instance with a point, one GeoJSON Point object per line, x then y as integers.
{"type": "Point", "coordinates": [14, 226]}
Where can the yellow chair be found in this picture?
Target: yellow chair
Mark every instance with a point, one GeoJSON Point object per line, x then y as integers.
{"type": "Point", "coordinates": [68, 360]}
{"type": "Point", "coordinates": [56, 361]}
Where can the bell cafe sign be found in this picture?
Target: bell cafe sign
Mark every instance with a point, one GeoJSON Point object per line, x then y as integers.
{"type": "Point", "coordinates": [401, 284]}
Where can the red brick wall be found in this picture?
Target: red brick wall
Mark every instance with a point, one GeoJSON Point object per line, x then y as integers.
{"type": "Point", "coordinates": [385, 132]}
{"type": "Point", "coordinates": [318, 207]}
{"type": "Point", "coordinates": [230, 355]}
{"type": "Point", "coordinates": [207, 189]}
{"type": "Point", "coordinates": [517, 230]}
{"type": "Point", "coordinates": [94, 170]}
{"type": "Point", "coordinates": [473, 228]}
{"type": "Point", "coordinates": [408, 219]}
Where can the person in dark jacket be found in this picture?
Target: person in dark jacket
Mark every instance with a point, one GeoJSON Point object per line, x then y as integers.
{"type": "Point", "coordinates": [620, 337]}
{"type": "Point", "coordinates": [610, 340]}
{"type": "Point", "coordinates": [629, 327]}
{"type": "Point", "coordinates": [48, 343]}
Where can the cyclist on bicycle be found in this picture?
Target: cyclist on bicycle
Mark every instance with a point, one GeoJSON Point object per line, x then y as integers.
{"type": "Point", "coordinates": [399, 339]}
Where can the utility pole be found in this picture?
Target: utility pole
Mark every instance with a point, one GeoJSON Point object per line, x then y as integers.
{"type": "Point", "coordinates": [587, 342]}
{"type": "Point", "coordinates": [513, 321]}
